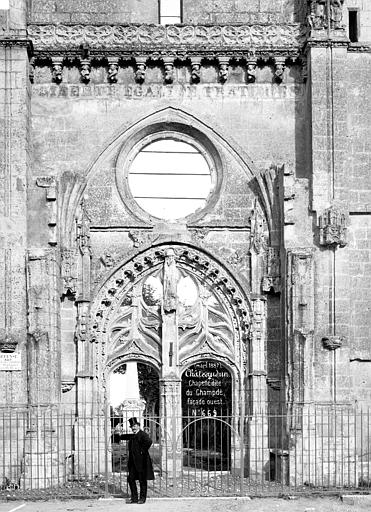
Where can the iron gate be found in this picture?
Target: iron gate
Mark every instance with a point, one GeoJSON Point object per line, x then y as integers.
{"type": "Point", "coordinates": [48, 452]}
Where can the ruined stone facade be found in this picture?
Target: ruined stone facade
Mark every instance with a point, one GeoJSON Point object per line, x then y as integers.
{"type": "Point", "coordinates": [276, 98]}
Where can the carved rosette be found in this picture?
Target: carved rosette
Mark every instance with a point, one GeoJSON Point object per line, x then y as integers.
{"type": "Point", "coordinates": [333, 227]}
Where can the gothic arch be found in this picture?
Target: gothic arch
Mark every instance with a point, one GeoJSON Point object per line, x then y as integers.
{"type": "Point", "coordinates": [115, 297]}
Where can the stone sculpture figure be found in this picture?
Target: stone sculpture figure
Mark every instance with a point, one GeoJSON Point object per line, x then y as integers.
{"type": "Point", "coordinates": [317, 14]}
{"type": "Point", "coordinates": [171, 278]}
{"type": "Point", "coordinates": [336, 13]}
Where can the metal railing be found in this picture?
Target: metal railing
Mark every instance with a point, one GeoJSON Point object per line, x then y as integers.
{"type": "Point", "coordinates": [306, 448]}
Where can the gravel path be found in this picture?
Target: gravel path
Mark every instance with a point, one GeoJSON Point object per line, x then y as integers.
{"type": "Point", "coordinates": [195, 504]}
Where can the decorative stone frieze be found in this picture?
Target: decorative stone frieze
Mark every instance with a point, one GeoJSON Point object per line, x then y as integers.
{"type": "Point", "coordinates": [333, 227]}
{"type": "Point", "coordinates": [130, 37]}
{"type": "Point", "coordinates": [332, 342]}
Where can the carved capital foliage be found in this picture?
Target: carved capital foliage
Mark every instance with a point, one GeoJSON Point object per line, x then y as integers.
{"type": "Point", "coordinates": [333, 227]}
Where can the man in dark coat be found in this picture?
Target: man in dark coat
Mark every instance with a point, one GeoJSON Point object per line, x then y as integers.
{"type": "Point", "coordinates": [139, 463]}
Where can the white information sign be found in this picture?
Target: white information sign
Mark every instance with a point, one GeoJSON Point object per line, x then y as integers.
{"type": "Point", "coordinates": [10, 362]}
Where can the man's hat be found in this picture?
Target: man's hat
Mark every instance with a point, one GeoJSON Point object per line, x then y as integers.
{"type": "Point", "coordinates": [133, 421]}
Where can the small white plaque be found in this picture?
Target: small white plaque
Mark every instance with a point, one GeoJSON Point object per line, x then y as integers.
{"type": "Point", "coordinates": [10, 362]}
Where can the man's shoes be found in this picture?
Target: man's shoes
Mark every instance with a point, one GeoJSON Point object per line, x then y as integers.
{"type": "Point", "coordinates": [133, 501]}
{"type": "Point", "coordinates": [140, 502]}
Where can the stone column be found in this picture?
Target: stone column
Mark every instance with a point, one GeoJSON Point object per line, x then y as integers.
{"type": "Point", "coordinates": [170, 397]}
{"type": "Point", "coordinates": [258, 426]}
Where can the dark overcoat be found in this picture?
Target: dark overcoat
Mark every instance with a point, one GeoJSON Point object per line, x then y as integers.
{"type": "Point", "coordinates": [139, 458]}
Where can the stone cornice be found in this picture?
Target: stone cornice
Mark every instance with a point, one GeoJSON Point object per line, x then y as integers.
{"type": "Point", "coordinates": [178, 39]}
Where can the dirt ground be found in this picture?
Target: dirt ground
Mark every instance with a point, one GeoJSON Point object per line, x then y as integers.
{"type": "Point", "coordinates": [313, 504]}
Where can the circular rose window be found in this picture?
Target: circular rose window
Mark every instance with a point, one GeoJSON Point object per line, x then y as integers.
{"type": "Point", "coordinates": [170, 179]}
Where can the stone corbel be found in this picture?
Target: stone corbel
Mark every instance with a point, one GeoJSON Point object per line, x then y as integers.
{"type": "Point", "coordinates": [85, 70]}
{"type": "Point", "coordinates": [67, 386]}
{"type": "Point", "coordinates": [169, 69]}
{"type": "Point", "coordinates": [251, 70]}
{"type": "Point", "coordinates": [140, 73]}
{"type": "Point", "coordinates": [279, 68]}
{"type": "Point", "coordinates": [49, 183]}
{"type": "Point", "coordinates": [195, 70]}
{"type": "Point", "coordinates": [113, 68]}
{"type": "Point", "coordinates": [333, 342]}
{"type": "Point", "coordinates": [57, 65]}
{"type": "Point", "coordinates": [223, 69]}
{"type": "Point", "coordinates": [333, 227]}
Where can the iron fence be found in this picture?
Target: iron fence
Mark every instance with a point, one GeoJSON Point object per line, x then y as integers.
{"type": "Point", "coordinates": [304, 448]}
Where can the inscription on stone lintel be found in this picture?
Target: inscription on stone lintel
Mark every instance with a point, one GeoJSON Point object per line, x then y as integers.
{"type": "Point", "coordinates": [118, 91]}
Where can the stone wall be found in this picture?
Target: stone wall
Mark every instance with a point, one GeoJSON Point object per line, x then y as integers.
{"type": "Point", "coordinates": [147, 11]}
